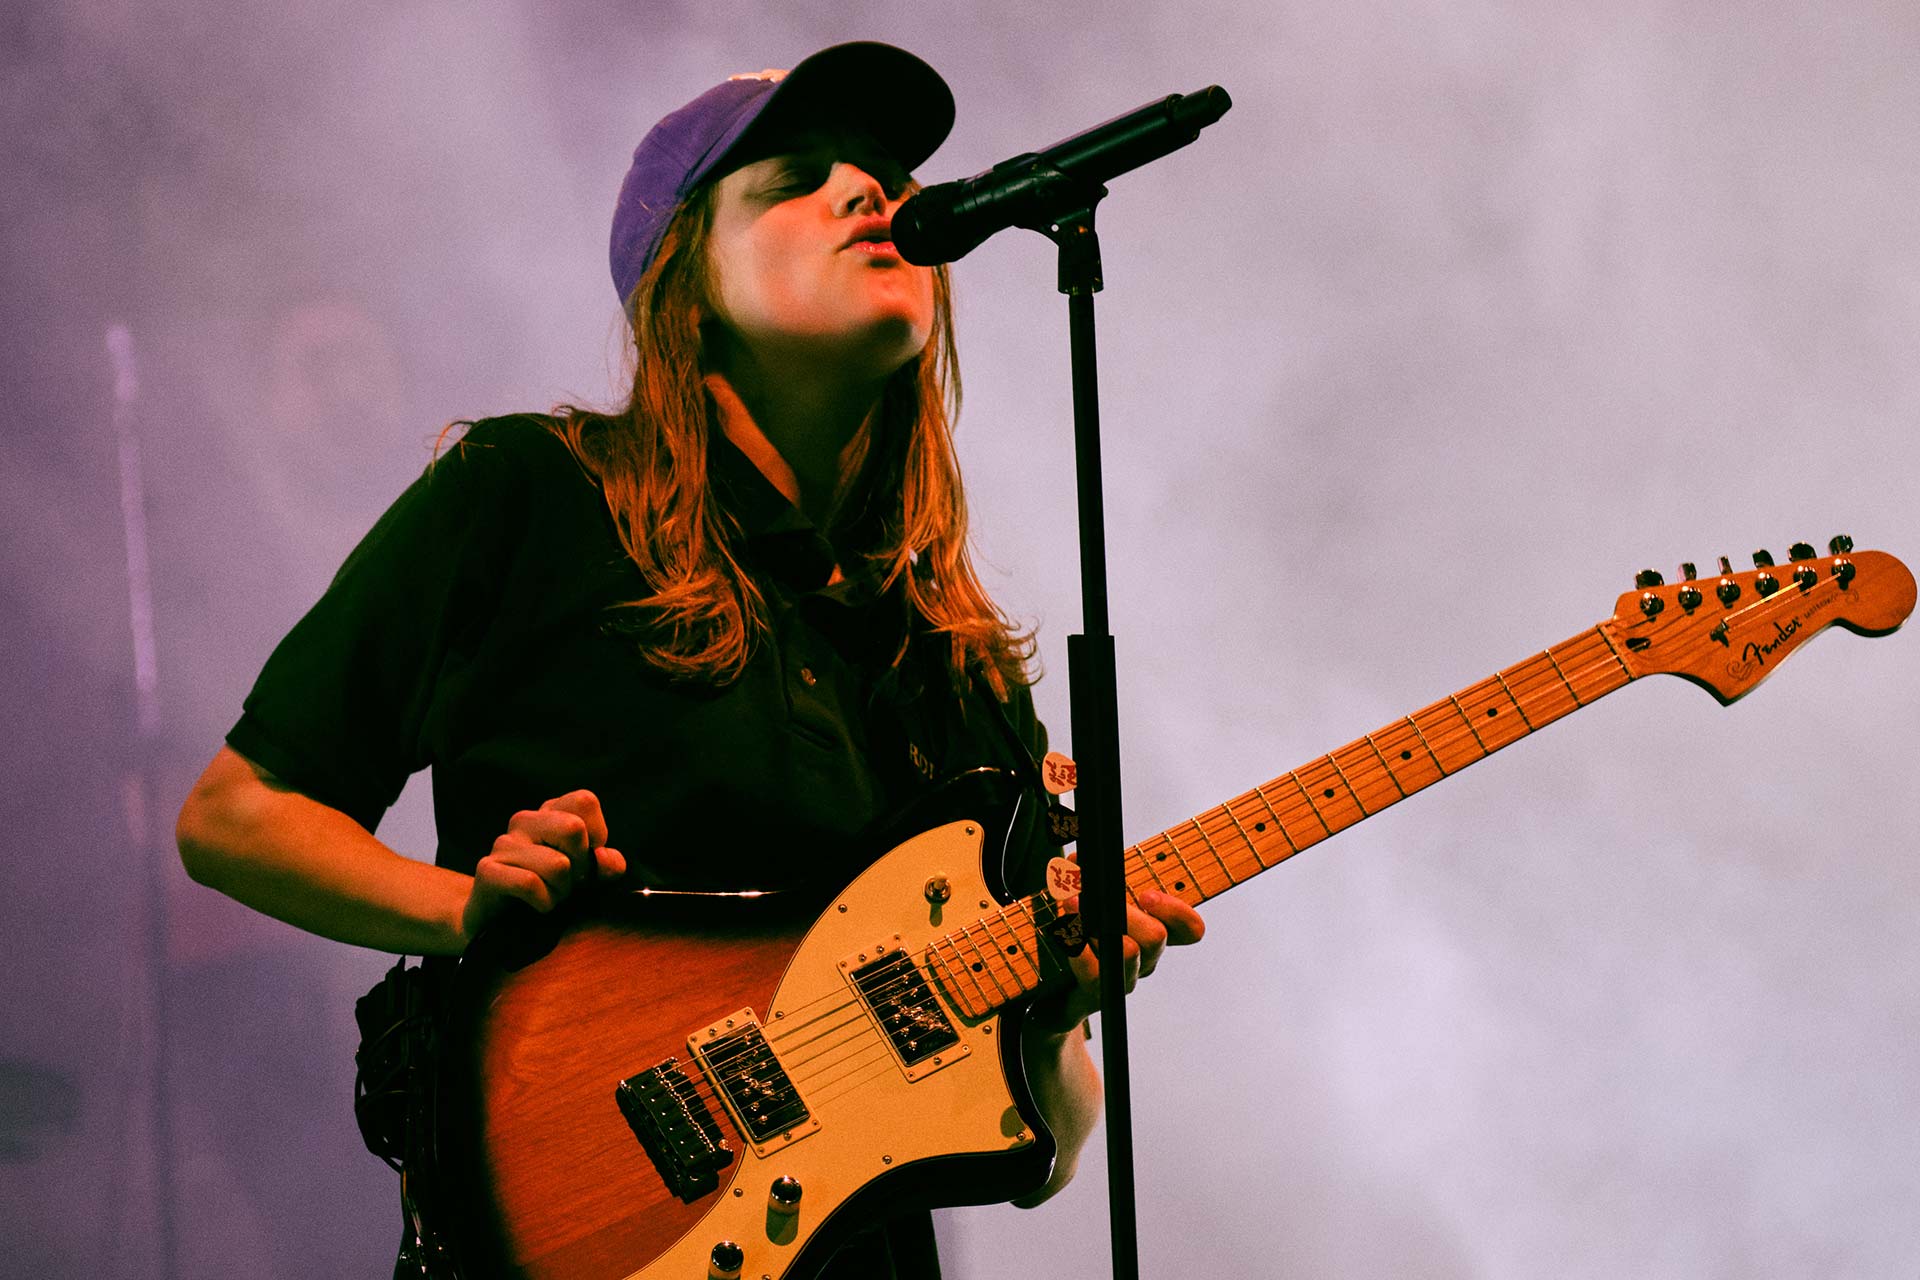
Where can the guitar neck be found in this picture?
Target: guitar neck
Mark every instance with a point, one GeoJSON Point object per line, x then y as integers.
{"type": "Point", "coordinates": [999, 957]}
{"type": "Point", "coordinates": [1726, 636]}
{"type": "Point", "coordinates": [1258, 830]}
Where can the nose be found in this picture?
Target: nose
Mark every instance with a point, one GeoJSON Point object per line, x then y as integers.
{"type": "Point", "coordinates": [861, 192]}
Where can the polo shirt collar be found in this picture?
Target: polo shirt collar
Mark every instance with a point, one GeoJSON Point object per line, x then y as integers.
{"type": "Point", "coordinates": [779, 539]}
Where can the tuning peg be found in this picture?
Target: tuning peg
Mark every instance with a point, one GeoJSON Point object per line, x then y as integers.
{"type": "Point", "coordinates": [1763, 559]}
{"type": "Point", "coordinates": [1688, 572]}
{"type": "Point", "coordinates": [1840, 544]}
{"type": "Point", "coordinates": [1800, 551]}
{"type": "Point", "coordinates": [1648, 578]}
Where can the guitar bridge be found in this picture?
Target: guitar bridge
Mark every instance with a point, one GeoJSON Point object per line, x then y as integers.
{"type": "Point", "coordinates": [902, 1002]}
{"type": "Point", "coordinates": [675, 1128]}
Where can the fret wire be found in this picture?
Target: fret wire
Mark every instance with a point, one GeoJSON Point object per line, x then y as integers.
{"type": "Point", "coordinates": [1224, 868]}
{"type": "Point", "coordinates": [1320, 817]}
{"type": "Point", "coordinates": [966, 931]}
{"type": "Point", "coordinates": [1147, 862]}
{"type": "Point", "coordinates": [1545, 675]}
{"type": "Point", "coordinates": [1000, 956]}
{"type": "Point", "coordinates": [1595, 641]}
{"type": "Point", "coordinates": [1260, 789]}
{"type": "Point", "coordinates": [1595, 668]}
{"type": "Point", "coordinates": [1332, 759]}
{"type": "Point", "coordinates": [1032, 936]}
{"type": "Point", "coordinates": [1018, 950]}
{"type": "Point", "coordinates": [1484, 749]}
{"type": "Point", "coordinates": [1571, 691]}
{"type": "Point", "coordinates": [1043, 941]}
{"type": "Point", "coordinates": [1385, 765]}
{"type": "Point", "coordinates": [1516, 702]}
{"type": "Point", "coordinates": [1192, 879]}
{"type": "Point", "coordinates": [986, 1001]}
{"type": "Point", "coordinates": [1245, 838]}
{"type": "Point", "coordinates": [1429, 746]}
{"type": "Point", "coordinates": [1615, 650]}
{"type": "Point", "coordinates": [1534, 678]}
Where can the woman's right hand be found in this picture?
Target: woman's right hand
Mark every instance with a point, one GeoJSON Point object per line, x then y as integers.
{"type": "Point", "coordinates": [542, 855]}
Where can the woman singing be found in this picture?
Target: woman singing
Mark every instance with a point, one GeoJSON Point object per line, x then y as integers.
{"type": "Point", "coordinates": [701, 642]}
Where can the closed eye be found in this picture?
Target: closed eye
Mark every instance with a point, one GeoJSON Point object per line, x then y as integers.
{"type": "Point", "coordinates": [797, 177]}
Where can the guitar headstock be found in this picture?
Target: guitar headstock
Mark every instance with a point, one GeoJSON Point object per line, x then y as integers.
{"type": "Point", "coordinates": [1727, 631]}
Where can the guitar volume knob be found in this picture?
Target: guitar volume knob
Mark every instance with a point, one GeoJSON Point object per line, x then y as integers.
{"type": "Point", "coordinates": [784, 1195]}
{"type": "Point", "coordinates": [725, 1261]}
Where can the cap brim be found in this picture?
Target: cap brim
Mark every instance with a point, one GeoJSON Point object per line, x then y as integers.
{"type": "Point", "coordinates": [888, 92]}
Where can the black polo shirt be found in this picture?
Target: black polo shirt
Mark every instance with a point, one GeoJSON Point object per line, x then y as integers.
{"type": "Point", "coordinates": [471, 631]}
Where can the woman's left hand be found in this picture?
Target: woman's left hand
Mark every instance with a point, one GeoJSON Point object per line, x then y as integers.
{"type": "Point", "coordinates": [1065, 1085]}
{"type": "Point", "coordinates": [1155, 920]}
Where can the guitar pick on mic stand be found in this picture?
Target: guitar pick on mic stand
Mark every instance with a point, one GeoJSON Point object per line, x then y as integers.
{"type": "Point", "coordinates": [1055, 193]}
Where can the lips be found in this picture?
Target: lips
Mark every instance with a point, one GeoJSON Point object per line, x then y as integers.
{"type": "Point", "coordinates": [872, 232]}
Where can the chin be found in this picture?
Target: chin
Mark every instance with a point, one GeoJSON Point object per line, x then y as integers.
{"type": "Point", "coordinates": [890, 341]}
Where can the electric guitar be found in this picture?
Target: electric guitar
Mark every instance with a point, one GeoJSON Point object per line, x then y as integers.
{"type": "Point", "coordinates": [684, 1087]}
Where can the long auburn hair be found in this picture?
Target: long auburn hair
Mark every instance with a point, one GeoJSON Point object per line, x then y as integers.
{"type": "Point", "coordinates": [908, 515]}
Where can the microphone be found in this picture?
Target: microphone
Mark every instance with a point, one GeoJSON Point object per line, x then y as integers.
{"type": "Point", "coordinates": [952, 219]}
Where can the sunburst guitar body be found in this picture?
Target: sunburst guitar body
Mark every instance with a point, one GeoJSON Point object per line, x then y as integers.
{"type": "Point", "coordinates": [657, 1077]}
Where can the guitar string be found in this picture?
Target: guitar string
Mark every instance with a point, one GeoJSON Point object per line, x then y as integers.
{"type": "Point", "coordinates": [1527, 686]}
{"type": "Point", "coordinates": [1530, 678]}
{"type": "Point", "coordinates": [1441, 740]}
{"type": "Point", "coordinates": [1521, 692]}
{"type": "Point", "coordinates": [1520, 688]}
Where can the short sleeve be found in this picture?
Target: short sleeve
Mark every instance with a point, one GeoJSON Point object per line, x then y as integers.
{"type": "Point", "coordinates": [340, 710]}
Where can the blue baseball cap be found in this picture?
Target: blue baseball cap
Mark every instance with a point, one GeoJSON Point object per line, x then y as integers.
{"type": "Point", "coordinates": [893, 95]}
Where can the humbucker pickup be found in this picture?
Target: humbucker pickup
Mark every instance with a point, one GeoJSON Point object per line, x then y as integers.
{"type": "Point", "coordinates": [902, 1002]}
{"type": "Point", "coordinates": [756, 1087]}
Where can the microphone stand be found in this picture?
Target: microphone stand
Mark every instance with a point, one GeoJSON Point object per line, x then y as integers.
{"type": "Point", "coordinates": [1038, 192]}
{"type": "Point", "coordinates": [139, 793]}
{"type": "Point", "coordinates": [1093, 688]}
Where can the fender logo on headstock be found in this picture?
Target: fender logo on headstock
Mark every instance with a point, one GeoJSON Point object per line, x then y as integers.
{"type": "Point", "coordinates": [1757, 651]}
{"type": "Point", "coordinates": [1754, 653]}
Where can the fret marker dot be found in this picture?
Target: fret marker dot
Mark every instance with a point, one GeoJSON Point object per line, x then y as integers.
{"type": "Point", "coordinates": [1492, 712]}
{"type": "Point", "coordinates": [1259, 826]}
{"type": "Point", "coordinates": [977, 966]}
{"type": "Point", "coordinates": [1328, 793]}
{"type": "Point", "coordinates": [1406, 755]}
{"type": "Point", "coordinates": [1180, 884]}
{"type": "Point", "coordinates": [1012, 947]}
{"type": "Point", "coordinates": [1159, 857]}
